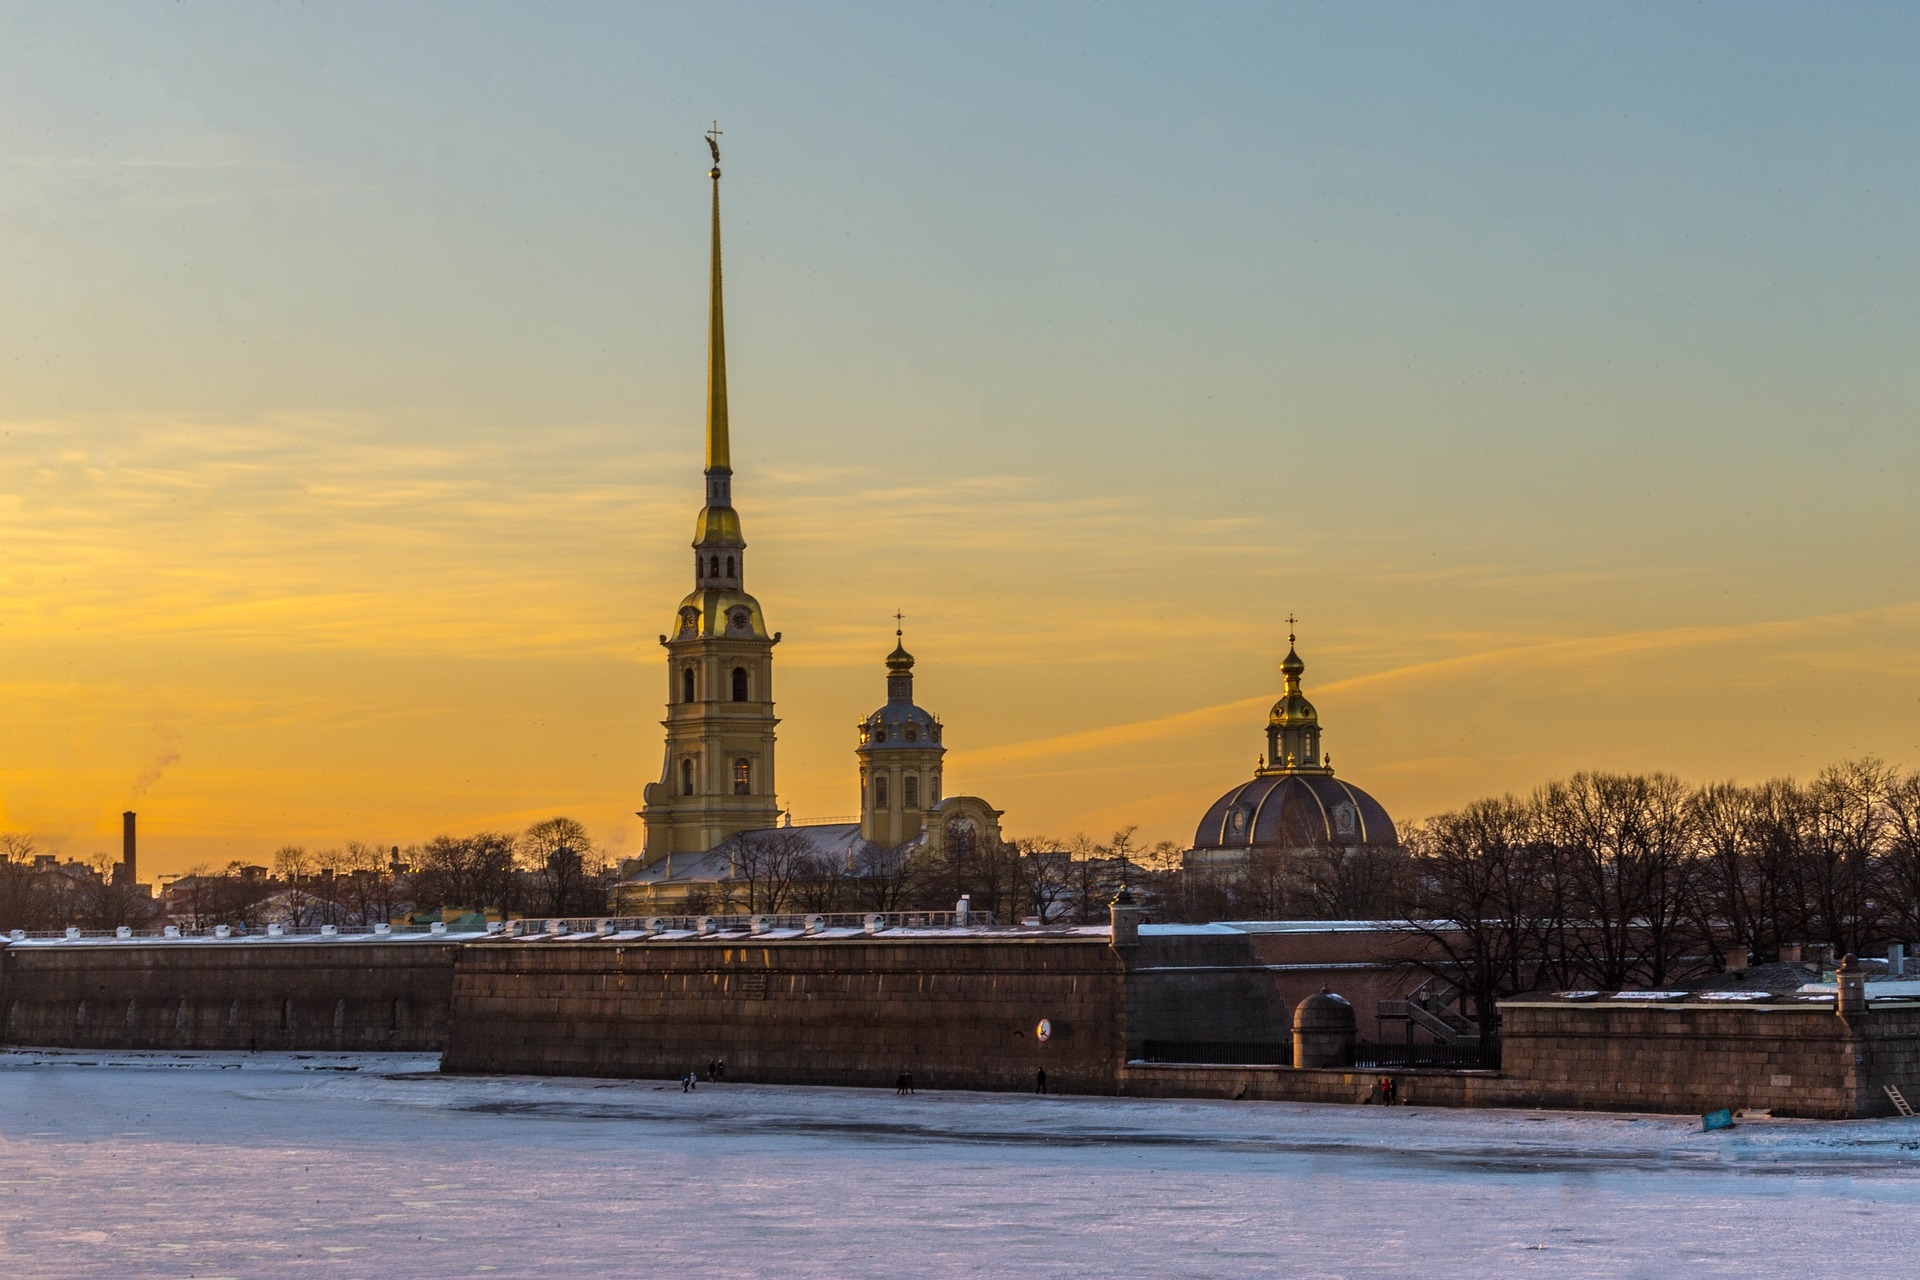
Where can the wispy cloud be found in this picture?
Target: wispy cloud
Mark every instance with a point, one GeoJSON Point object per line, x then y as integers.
{"type": "Point", "coordinates": [1543, 654]}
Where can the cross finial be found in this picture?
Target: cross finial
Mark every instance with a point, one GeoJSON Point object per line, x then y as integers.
{"type": "Point", "coordinates": [1290, 621]}
{"type": "Point", "coordinates": [899, 623]}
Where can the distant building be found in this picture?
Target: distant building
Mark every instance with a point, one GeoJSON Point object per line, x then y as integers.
{"type": "Point", "coordinates": [902, 815]}
{"type": "Point", "coordinates": [1293, 804]}
{"type": "Point", "coordinates": [716, 836]}
{"type": "Point", "coordinates": [717, 777]}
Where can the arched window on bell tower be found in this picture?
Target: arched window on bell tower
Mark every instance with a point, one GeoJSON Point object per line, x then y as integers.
{"type": "Point", "coordinates": [686, 685]}
{"type": "Point", "coordinates": [912, 788]}
{"type": "Point", "coordinates": [743, 777]}
{"type": "Point", "coordinates": [879, 790]}
{"type": "Point", "coordinates": [686, 775]}
{"type": "Point", "coordinates": [739, 684]}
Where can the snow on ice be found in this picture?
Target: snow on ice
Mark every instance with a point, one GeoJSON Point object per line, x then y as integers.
{"type": "Point", "coordinates": [121, 1164]}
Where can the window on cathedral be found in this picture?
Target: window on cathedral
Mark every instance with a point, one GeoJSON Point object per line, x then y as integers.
{"type": "Point", "coordinates": [913, 734]}
{"type": "Point", "coordinates": [913, 789]}
{"type": "Point", "coordinates": [933, 788]}
{"type": "Point", "coordinates": [740, 686]}
{"type": "Point", "coordinates": [686, 685]}
{"type": "Point", "coordinates": [686, 775]}
{"type": "Point", "coordinates": [880, 733]}
{"type": "Point", "coordinates": [962, 838]}
{"type": "Point", "coordinates": [713, 567]}
{"type": "Point", "coordinates": [742, 777]}
{"type": "Point", "coordinates": [880, 791]}
{"type": "Point", "coordinates": [729, 566]}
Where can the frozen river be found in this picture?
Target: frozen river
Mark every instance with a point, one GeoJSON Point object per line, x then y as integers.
{"type": "Point", "coordinates": [355, 1165]}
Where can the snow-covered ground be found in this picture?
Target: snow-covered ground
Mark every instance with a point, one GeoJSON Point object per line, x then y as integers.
{"type": "Point", "coordinates": [214, 1164]}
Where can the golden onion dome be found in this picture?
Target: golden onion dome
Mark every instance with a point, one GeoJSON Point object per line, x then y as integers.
{"type": "Point", "coordinates": [718, 526]}
{"type": "Point", "coordinates": [1293, 709]}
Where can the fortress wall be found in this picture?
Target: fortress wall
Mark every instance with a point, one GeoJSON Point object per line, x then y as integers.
{"type": "Point", "coordinates": [1337, 1084]}
{"type": "Point", "coordinates": [228, 995]}
{"type": "Point", "coordinates": [1797, 1059]}
{"type": "Point", "coordinates": [957, 1013]}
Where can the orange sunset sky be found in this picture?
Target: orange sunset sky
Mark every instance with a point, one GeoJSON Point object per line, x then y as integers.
{"type": "Point", "coordinates": [1554, 366]}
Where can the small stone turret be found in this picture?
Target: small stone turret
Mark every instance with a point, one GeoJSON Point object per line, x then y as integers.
{"type": "Point", "coordinates": [1323, 1031]}
{"type": "Point", "coordinates": [1850, 988]}
{"type": "Point", "coordinates": [1125, 913]}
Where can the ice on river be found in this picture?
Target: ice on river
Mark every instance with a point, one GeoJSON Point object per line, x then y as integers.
{"type": "Point", "coordinates": [374, 1165]}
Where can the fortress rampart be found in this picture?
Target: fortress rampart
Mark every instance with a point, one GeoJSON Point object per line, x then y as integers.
{"type": "Point", "coordinates": [253, 993]}
{"type": "Point", "coordinates": [958, 1008]}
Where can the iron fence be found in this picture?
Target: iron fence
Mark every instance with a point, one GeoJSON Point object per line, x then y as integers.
{"type": "Point", "coordinates": [1471, 1056]}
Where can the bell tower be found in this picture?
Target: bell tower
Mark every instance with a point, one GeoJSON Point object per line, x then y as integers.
{"type": "Point", "coordinates": [900, 753]}
{"type": "Point", "coordinates": [717, 777]}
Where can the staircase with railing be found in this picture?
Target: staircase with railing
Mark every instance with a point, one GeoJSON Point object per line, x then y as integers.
{"type": "Point", "coordinates": [1430, 1008]}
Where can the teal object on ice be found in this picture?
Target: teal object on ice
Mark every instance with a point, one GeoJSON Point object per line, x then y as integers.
{"type": "Point", "coordinates": [1721, 1119]}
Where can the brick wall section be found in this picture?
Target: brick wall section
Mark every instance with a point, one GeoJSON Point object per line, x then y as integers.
{"type": "Point", "coordinates": [1799, 1060]}
{"type": "Point", "coordinates": [958, 1014]}
{"type": "Point", "coordinates": [1288, 1084]}
{"type": "Point", "coordinates": [228, 995]}
{"type": "Point", "coordinates": [1209, 988]}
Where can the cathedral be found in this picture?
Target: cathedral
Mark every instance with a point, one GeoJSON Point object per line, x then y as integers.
{"type": "Point", "coordinates": [1294, 803]}
{"type": "Point", "coordinates": [717, 837]}
{"type": "Point", "coordinates": [716, 834]}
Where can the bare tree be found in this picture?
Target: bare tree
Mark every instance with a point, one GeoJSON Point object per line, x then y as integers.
{"type": "Point", "coordinates": [1045, 878]}
{"type": "Point", "coordinates": [567, 866]}
{"type": "Point", "coordinates": [21, 904]}
{"type": "Point", "coordinates": [884, 876]}
{"type": "Point", "coordinates": [766, 867]}
{"type": "Point", "coordinates": [1478, 901]}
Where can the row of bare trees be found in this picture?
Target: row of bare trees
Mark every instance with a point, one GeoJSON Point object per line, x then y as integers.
{"type": "Point", "coordinates": [551, 868]}
{"type": "Point", "coordinates": [1615, 880]}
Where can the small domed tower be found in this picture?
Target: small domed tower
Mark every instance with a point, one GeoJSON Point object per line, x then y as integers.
{"type": "Point", "coordinates": [1293, 726]}
{"type": "Point", "coordinates": [1293, 802]}
{"type": "Point", "coordinates": [900, 752]}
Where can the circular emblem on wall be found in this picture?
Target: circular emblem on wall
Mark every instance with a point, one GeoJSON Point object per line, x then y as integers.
{"type": "Point", "coordinates": [1044, 1032]}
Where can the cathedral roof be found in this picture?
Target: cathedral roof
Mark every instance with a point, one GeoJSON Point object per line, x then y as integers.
{"type": "Point", "coordinates": [1294, 810]}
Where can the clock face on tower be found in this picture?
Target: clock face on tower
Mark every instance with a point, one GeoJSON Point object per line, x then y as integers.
{"type": "Point", "coordinates": [689, 619]}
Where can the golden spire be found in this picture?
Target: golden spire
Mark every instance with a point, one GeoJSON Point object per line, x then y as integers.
{"type": "Point", "coordinates": [718, 457]}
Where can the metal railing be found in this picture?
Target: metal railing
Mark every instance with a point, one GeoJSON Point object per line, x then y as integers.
{"type": "Point", "coordinates": [749, 925]}
{"type": "Point", "coordinates": [1466, 1056]}
{"type": "Point", "coordinates": [234, 932]}
{"type": "Point", "coordinates": [1441, 1023]}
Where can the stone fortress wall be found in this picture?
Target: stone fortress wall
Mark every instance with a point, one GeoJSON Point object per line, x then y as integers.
{"type": "Point", "coordinates": [252, 993]}
{"type": "Point", "coordinates": [956, 1008]}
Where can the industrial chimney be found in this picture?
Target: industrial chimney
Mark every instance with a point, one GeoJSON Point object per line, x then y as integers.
{"type": "Point", "coordinates": [125, 872]}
